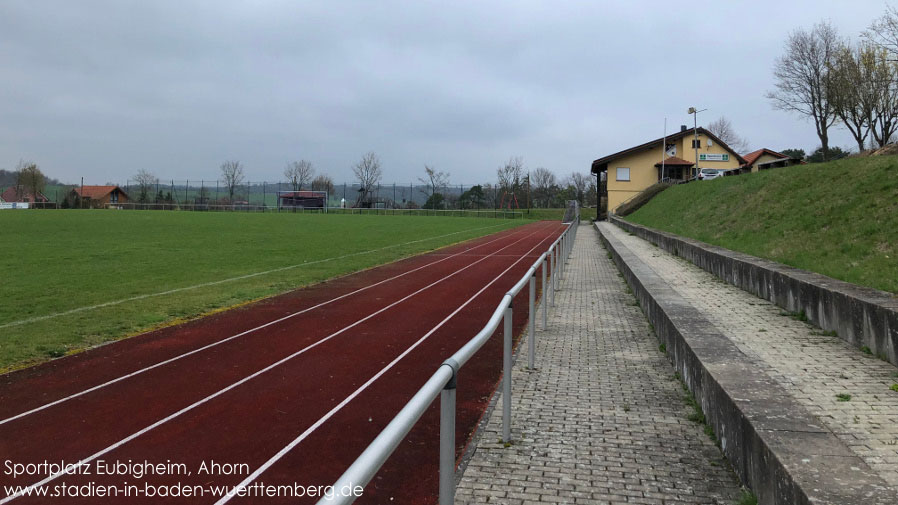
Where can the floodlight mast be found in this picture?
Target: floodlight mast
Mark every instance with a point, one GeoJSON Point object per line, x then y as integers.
{"type": "Point", "coordinates": [694, 112]}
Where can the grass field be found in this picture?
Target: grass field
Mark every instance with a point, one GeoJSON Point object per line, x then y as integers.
{"type": "Point", "coordinates": [58, 261]}
{"type": "Point", "coordinates": [839, 218]}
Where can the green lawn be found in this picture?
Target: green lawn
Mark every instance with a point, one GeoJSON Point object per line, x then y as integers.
{"type": "Point", "coordinates": [57, 261]}
{"type": "Point", "coordinates": [839, 218]}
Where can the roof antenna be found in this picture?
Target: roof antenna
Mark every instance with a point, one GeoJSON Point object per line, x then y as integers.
{"type": "Point", "coordinates": [663, 149]}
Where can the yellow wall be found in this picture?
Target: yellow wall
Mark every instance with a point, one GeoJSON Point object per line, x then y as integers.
{"type": "Point", "coordinates": [685, 151]}
{"type": "Point", "coordinates": [764, 158]}
{"type": "Point", "coordinates": [642, 175]}
{"type": "Point", "coordinates": [643, 172]}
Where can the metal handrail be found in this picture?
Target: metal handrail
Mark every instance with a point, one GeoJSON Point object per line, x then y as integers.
{"type": "Point", "coordinates": [443, 383]}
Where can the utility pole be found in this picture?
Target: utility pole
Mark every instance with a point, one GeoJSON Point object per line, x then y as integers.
{"type": "Point", "coordinates": [694, 112]}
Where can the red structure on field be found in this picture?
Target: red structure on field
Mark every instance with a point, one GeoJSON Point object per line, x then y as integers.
{"type": "Point", "coordinates": [302, 199]}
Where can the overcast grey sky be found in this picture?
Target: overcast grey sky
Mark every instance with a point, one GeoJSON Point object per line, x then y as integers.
{"type": "Point", "coordinates": [103, 89]}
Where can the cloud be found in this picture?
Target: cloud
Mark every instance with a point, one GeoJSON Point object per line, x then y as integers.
{"type": "Point", "coordinates": [102, 89]}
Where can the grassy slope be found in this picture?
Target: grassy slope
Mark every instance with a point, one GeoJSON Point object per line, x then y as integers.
{"type": "Point", "coordinates": [61, 260]}
{"type": "Point", "coordinates": [839, 218]}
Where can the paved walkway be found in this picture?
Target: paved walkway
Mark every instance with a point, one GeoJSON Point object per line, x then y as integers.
{"type": "Point", "coordinates": [602, 419]}
{"type": "Point", "coordinates": [817, 367]}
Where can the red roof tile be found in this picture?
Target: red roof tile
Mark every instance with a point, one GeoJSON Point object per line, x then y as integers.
{"type": "Point", "coordinates": [673, 161]}
{"type": "Point", "coordinates": [95, 192]}
{"type": "Point", "coordinates": [753, 156]}
{"type": "Point", "coordinates": [301, 194]}
{"type": "Point", "coordinates": [10, 195]}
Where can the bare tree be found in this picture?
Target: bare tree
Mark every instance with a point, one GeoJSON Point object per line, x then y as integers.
{"type": "Point", "coordinates": [146, 181]}
{"type": "Point", "coordinates": [802, 76]}
{"type": "Point", "coordinates": [852, 90]}
{"type": "Point", "coordinates": [723, 129]}
{"type": "Point", "coordinates": [299, 173]}
{"type": "Point", "coordinates": [579, 182]}
{"type": "Point", "coordinates": [542, 180]}
{"type": "Point", "coordinates": [510, 176]}
{"type": "Point", "coordinates": [232, 173]}
{"type": "Point", "coordinates": [433, 180]}
{"type": "Point", "coordinates": [368, 173]}
{"type": "Point", "coordinates": [885, 108]}
{"type": "Point", "coordinates": [322, 183]}
{"type": "Point", "coordinates": [592, 193]}
{"type": "Point", "coordinates": [491, 195]}
{"type": "Point", "coordinates": [884, 31]}
{"type": "Point", "coordinates": [29, 180]}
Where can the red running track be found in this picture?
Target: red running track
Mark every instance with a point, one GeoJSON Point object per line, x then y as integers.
{"type": "Point", "coordinates": [289, 390]}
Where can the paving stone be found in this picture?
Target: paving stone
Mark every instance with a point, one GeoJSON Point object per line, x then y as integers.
{"type": "Point", "coordinates": [815, 367]}
{"type": "Point", "coordinates": [601, 420]}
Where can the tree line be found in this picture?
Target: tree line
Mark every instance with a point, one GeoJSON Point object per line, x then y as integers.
{"type": "Point", "coordinates": [515, 188]}
{"type": "Point", "coordinates": [833, 80]}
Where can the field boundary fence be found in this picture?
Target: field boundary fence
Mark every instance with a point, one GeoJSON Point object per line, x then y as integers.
{"type": "Point", "coordinates": [482, 213]}
{"type": "Point", "coordinates": [443, 382]}
{"type": "Point", "coordinates": [200, 194]}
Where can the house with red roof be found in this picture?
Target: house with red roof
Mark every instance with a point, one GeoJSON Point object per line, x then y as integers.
{"type": "Point", "coordinates": [20, 194]}
{"type": "Point", "coordinates": [677, 157]}
{"type": "Point", "coordinates": [763, 159]}
{"type": "Point", "coordinates": [99, 196]}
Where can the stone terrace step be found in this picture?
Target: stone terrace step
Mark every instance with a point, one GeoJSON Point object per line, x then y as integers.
{"type": "Point", "coordinates": [786, 380]}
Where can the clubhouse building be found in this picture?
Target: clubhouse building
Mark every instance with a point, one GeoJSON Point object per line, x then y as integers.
{"type": "Point", "coordinates": [627, 173]}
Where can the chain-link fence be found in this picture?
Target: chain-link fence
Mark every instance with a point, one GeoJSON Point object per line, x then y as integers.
{"type": "Point", "coordinates": [398, 198]}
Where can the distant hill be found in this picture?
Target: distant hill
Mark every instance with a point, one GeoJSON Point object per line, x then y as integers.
{"type": "Point", "coordinates": [838, 218]}
{"type": "Point", "coordinates": [8, 178]}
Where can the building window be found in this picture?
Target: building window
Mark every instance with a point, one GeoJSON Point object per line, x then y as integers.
{"type": "Point", "coordinates": [696, 144]}
{"type": "Point", "coordinates": [623, 174]}
{"type": "Point", "coordinates": [114, 196]}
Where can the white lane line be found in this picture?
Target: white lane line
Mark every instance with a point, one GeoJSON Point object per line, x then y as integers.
{"type": "Point", "coordinates": [251, 477]}
{"type": "Point", "coordinates": [232, 337]}
{"type": "Point", "coordinates": [30, 489]}
{"type": "Point", "coordinates": [223, 281]}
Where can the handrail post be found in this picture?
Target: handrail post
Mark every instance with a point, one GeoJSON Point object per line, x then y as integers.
{"type": "Point", "coordinates": [559, 266]}
{"type": "Point", "coordinates": [506, 377]}
{"type": "Point", "coordinates": [561, 258]}
{"type": "Point", "coordinates": [552, 276]}
{"type": "Point", "coordinates": [530, 323]}
{"type": "Point", "coordinates": [545, 302]}
{"type": "Point", "coordinates": [447, 438]}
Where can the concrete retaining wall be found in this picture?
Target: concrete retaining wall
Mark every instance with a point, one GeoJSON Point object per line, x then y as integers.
{"type": "Point", "coordinates": [773, 443]}
{"type": "Point", "coordinates": [861, 316]}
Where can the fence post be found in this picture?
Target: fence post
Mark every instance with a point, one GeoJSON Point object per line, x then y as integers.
{"type": "Point", "coordinates": [447, 440]}
{"type": "Point", "coordinates": [531, 323]}
{"type": "Point", "coordinates": [545, 292]}
{"type": "Point", "coordinates": [506, 377]}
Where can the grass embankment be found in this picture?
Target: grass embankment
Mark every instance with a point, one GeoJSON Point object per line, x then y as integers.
{"type": "Point", "coordinates": [838, 218]}
{"type": "Point", "coordinates": [58, 261]}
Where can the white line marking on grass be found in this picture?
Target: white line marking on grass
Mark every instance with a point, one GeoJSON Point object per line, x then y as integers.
{"type": "Point", "coordinates": [223, 281]}
{"type": "Point", "coordinates": [30, 489]}
{"type": "Point", "coordinates": [232, 337]}
{"type": "Point", "coordinates": [251, 477]}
